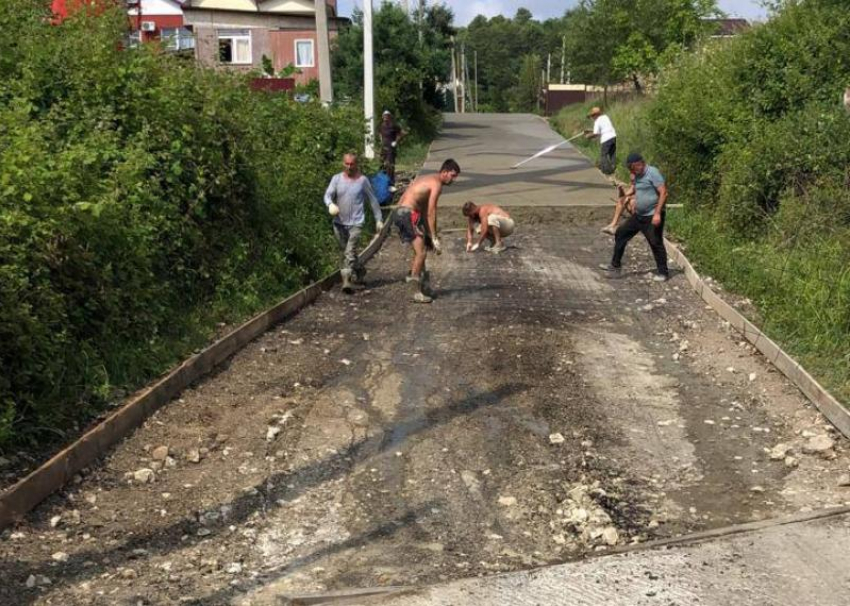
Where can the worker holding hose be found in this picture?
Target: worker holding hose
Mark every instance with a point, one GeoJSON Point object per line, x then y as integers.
{"type": "Point", "coordinates": [345, 200]}
{"type": "Point", "coordinates": [603, 129]}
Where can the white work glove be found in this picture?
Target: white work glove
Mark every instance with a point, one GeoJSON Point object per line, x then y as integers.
{"type": "Point", "coordinates": [474, 247]}
{"type": "Point", "coordinates": [394, 143]}
{"type": "Point", "coordinates": [333, 209]}
{"type": "Point", "coordinates": [437, 247]}
{"type": "Point", "coordinates": [379, 225]}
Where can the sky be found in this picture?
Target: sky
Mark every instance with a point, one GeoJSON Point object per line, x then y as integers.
{"type": "Point", "coordinates": [466, 10]}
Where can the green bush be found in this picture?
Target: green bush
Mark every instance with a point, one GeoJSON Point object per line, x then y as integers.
{"type": "Point", "coordinates": [142, 200]}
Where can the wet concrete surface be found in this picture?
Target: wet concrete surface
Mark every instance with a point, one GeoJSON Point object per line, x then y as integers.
{"type": "Point", "coordinates": [487, 145]}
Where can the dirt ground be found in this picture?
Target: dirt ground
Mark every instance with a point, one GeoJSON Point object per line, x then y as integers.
{"type": "Point", "coordinates": [533, 414]}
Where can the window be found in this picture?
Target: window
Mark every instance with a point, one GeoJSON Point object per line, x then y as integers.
{"type": "Point", "coordinates": [176, 39]}
{"type": "Point", "coordinates": [134, 39]}
{"type": "Point", "coordinates": [304, 53]}
{"type": "Point", "coordinates": [234, 46]}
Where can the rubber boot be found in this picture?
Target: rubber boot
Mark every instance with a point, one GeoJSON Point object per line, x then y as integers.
{"type": "Point", "coordinates": [425, 282]}
{"type": "Point", "coordinates": [347, 284]}
{"type": "Point", "coordinates": [418, 295]}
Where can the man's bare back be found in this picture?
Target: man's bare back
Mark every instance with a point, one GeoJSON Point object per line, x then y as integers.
{"type": "Point", "coordinates": [418, 193]}
{"type": "Point", "coordinates": [485, 210]}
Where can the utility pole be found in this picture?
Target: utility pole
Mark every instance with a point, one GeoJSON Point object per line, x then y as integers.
{"type": "Point", "coordinates": [368, 80]}
{"type": "Point", "coordinates": [548, 68]}
{"type": "Point", "coordinates": [326, 93]}
{"type": "Point", "coordinates": [563, 56]}
{"type": "Point", "coordinates": [475, 60]}
{"type": "Point", "coordinates": [454, 76]}
{"type": "Point", "coordinates": [421, 20]}
{"type": "Point", "coordinates": [463, 87]}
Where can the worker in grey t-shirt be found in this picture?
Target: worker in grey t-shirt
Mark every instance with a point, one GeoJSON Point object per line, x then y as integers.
{"type": "Point", "coordinates": [649, 192]}
{"type": "Point", "coordinates": [345, 199]}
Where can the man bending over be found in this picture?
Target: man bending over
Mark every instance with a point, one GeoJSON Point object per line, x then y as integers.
{"type": "Point", "coordinates": [494, 223]}
{"type": "Point", "coordinates": [416, 220]}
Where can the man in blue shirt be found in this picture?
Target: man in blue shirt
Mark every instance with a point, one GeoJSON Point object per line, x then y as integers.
{"type": "Point", "coordinates": [649, 193]}
{"type": "Point", "coordinates": [345, 199]}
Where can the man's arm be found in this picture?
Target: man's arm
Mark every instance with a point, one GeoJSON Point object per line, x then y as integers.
{"type": "Point", "coordinates": [373, 201]}
{"type": "Point", "coordinates": [330, 195]}
{"type": "Point", "coordinates": [433, 197]}
{"type": "Point", "coordinates": [659, 207]}
{"type": "Point", "coordinates": [485, 228]}
{"type": "Point", "coordinates": [330, 192]}
{"type": "Point", "coordinates": [470, 229]}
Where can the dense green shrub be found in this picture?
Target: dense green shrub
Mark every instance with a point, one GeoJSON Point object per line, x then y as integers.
{"type": "Point", "coordinates": [142, 199]}
{"type": "Point", "coordinates": [738, 102]}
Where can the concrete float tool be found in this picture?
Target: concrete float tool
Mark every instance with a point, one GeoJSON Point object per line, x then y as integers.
{"type": "Point", "coordinates": [547, 150]}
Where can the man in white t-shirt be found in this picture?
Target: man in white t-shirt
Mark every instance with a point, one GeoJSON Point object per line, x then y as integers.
{"type": "Point", "coordinates": [604, 130]}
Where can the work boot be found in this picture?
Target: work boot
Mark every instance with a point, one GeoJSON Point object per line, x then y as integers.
{"type": "Point", "coordinates": [418, 295]}
{"type": "Point", "coordinates": [348, 284]}
{"type": "Point", "coordinates": [611, 272]}
{"type": "Point", "coordinates": [426, 283]}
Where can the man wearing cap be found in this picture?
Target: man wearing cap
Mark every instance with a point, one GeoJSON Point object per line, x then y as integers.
{"type": "Point", "coordinates": [604, 130]}
{"type": "Point", "coordinates": [650, 196]}
{"type": "Point", "coordinates": [391, 135]}
{"type": "Point", "coordinates": [345, 200]}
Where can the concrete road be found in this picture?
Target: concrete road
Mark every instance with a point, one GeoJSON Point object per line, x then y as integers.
{"type": "Point", "coordinates": [790, 565]}
{"type": "Point", "coordinates": [487, 145]}
{"type": "Point", "coordinates": [535, 413]}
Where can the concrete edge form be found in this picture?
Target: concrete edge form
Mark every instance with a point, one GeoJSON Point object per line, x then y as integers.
{"type": "Point", "coordinates": [362, 597]}
{"type": "Point", "coordinates": [342, 597]}
{"type": "Point", "coordinates": [814, 391]}
{"type": "Point", "coordinates": [20, 498]}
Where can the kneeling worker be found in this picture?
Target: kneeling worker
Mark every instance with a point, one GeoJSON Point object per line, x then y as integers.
{"type": "Point", "coordinates": [346, 201]}
{"type": "Point", "coordinates": [493, 222]}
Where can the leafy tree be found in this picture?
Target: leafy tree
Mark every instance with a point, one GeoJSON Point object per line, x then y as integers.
{"type": "Point", "coordinates": [615, 40]}
{"type": "Point", "coordinates": [408, 72]}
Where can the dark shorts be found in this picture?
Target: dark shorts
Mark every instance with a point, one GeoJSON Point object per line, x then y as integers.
{"type": "Point", "coordinates": [408, 231]}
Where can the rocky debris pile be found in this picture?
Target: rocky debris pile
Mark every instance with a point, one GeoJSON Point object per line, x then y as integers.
{"type": "Point", "coordinates": [582, 521]}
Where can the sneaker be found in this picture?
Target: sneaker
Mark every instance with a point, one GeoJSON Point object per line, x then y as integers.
{"type": "Point", "coordinates": [420, 297]}
{"type": "Point", "coordinates": [659, 277]}
{"type": "Point", "coordinates": [611, 271]}
{"type": "Point", "coordinates": [497, 248]}
{"type": "Point", "coordinates": [609, 230]}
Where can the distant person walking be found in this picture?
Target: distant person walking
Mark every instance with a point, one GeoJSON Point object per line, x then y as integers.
{"type": "Point", "coordinates": [416, 220]}
{"type": "Point", "coordinates": [493, 222]}
{"type": "Point", "coordinates": [650, 196]}
{"type": "Point", "coordinates": [603, 129]}
{"type": "Point", "coordinates": [391, 135]}
{"type": "Point", "coordinates": [345, 199]}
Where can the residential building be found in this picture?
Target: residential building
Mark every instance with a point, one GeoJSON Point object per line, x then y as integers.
{"type": "Point", "coordinates": [159, 20]}
{"type": "Point", "coordinates": [236, 34]}
{"type": "Point", "coordinates": [727, 28]}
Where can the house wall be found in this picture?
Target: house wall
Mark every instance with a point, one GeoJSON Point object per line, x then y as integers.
{"type": "Point", "coordinates": [264, 29]}
{"type": "Point", "coordinates": [283, 52]}
{"type": "Point", "coordinates": [156, 7]}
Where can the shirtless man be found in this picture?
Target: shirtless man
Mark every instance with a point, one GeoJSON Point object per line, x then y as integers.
{"type": "Point", "coordinates": [494, 223]}
{"type": "Point", "coordinates": [420, 201]}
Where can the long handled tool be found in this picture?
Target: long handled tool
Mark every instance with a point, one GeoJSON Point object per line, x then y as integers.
{"type": "Point", "coordinates": [547, 150]}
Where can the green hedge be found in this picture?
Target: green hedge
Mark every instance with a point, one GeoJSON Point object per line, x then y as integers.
{"type": "Point", "coordinates": [142, 200]}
